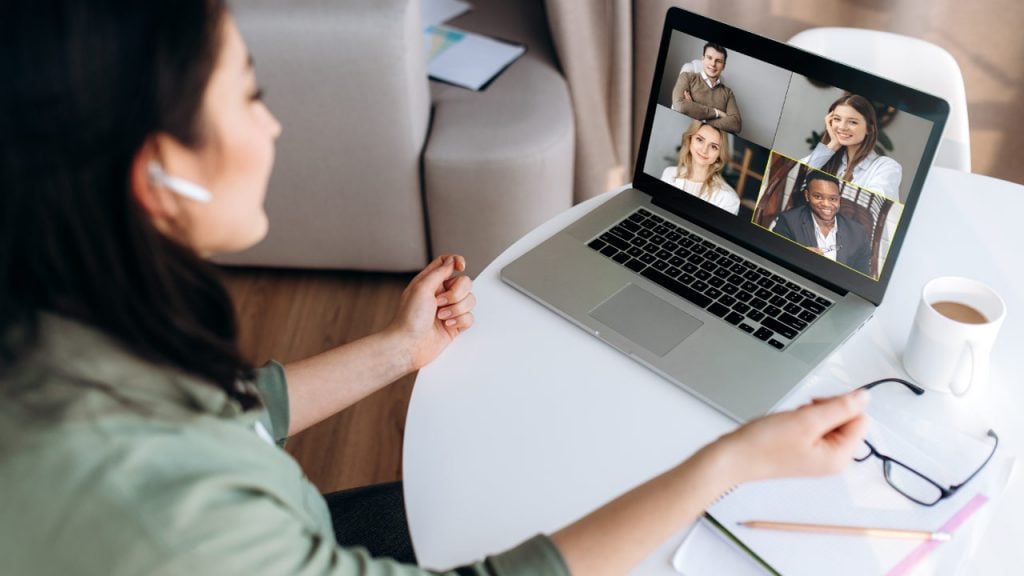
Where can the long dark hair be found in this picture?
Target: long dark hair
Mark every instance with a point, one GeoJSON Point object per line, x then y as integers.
{"type": "Point", "coordinates": [865, 109]}
{"type": "Point", "coordinates": [85, 84]}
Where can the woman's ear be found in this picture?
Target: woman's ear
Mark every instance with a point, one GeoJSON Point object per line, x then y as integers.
{"type": "Point", "coordinates": [156, 202]}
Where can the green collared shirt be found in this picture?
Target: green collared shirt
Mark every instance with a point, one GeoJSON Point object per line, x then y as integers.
{"type": "Point", "coordinates": [112, 466]}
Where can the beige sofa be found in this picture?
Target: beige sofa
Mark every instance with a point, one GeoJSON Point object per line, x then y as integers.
{"type": "Point", "coordinates": [379, 169]}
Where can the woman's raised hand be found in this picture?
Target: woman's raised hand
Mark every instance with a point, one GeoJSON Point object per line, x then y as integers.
{"type": "Point", "coordinates": [436, 306]}
{"type": "Point", "coordinates": [833, 142]}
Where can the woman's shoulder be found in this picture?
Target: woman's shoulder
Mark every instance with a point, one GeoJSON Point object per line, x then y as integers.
{"type": "Point", "coordinates": [876, 162]}
{"type": "Point", "coordinates": [139, 485]}
{"type": "Point", "coordinates": [127, 458]}
{"type": "Point", "coordinates": [721, 184]}
{"type": "Point", "coordinates": [671, 175]}
{"type": "Point", "coordinates": [724, 189]}
{"type": "Point", "coordinates": [79, 398]}
{"type": "Point", "coordinates": [724, 196]}
{"type": "Point", "coordinates": [74, 370]}
{"type": "Point", "coordinates": [880, 174]}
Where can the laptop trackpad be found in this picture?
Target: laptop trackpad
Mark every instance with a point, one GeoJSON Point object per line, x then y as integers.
{"type": "Point", "coordinates": [646, 319]}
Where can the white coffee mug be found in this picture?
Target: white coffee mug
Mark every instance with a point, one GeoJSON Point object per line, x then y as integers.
{"type": "Point", "coordinates": [954, 330]}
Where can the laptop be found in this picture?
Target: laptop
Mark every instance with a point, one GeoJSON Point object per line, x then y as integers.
{"type": "Point", "coordinates": [755, 239]}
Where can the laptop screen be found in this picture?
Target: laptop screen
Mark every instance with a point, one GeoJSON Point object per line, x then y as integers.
{"type": "Point", "coordinates": [808, 162]}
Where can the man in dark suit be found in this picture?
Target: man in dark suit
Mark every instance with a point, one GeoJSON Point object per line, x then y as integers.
{"type": "Point", "coordinates": [819, 225]}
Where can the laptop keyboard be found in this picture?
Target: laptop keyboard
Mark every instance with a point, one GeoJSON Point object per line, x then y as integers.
{"type": "Point", "coordinates": [752, 298]}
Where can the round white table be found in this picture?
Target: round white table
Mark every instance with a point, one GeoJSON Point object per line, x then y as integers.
{"type": "Point", "coordinates": [527, 423]}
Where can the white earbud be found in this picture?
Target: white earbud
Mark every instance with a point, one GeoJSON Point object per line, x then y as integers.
{"type": "Point", "coordinates": [179, 185]}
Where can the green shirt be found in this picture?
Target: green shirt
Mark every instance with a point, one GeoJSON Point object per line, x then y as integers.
{"type": "Point", "coordinates": [110, 465]}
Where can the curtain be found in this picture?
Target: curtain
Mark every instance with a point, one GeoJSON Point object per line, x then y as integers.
{"type": "Point", "coordinates": [594, 43]}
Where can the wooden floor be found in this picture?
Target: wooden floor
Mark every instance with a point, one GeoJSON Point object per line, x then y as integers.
{"type": "Point", "coordinates": [287, 315]}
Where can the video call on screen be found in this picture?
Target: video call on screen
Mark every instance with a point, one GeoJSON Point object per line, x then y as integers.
{"type": "Point", "coordinates": [751, 139]}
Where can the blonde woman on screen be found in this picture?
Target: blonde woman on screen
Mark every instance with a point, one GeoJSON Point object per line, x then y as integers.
{"type": "Point", "coordinates": [702, 156]}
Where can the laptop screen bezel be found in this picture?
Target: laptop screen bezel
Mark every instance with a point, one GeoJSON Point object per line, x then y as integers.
{"type": "Point", "coordinates": [796, 61]}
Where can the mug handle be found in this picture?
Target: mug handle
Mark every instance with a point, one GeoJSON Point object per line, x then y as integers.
{"type": "Point", "coordinates": [979, 369]}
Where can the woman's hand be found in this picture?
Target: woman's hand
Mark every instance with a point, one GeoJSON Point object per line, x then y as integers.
{"type": "Point", "coordinates": [833, 142]}
{"type": "Point", "coordinates": [817, 439]}
{"type": "Point", "coordinates": [436, 307]}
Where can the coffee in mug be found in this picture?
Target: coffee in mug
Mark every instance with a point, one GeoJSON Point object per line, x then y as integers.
{"type": "Point", "coordinates": [955, 327]}
{"type": "Point", "coordinates": [960, 312]}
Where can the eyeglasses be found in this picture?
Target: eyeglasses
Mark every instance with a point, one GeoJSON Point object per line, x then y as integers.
{"type": "Point", "coordinates": [908, 481]}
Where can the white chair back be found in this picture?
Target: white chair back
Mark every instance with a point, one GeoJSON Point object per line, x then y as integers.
{"type": "Point", "coordinates": [910, 61]}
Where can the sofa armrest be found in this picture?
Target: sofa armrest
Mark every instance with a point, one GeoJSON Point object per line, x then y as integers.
{"type": "Point", "coordinates": [500, 162]}
{"type": "Point", "coordinates": [348, 82]}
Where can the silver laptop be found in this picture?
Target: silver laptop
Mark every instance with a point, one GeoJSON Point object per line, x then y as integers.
{"type": "Point", "coordinates": [755, 239]}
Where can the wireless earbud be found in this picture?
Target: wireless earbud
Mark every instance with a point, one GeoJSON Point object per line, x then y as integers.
{"type": "Point", "coordinates": [179, 185]}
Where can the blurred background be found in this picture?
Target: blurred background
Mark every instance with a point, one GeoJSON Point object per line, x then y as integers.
{"type": "Point", "coordinates": [984, 38]}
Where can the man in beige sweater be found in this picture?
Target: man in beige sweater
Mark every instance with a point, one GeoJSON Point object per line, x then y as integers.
{"type": "Point", "coordinates": [703, 96]}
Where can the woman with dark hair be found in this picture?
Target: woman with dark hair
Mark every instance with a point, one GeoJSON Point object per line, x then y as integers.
{"type": "Point", "coordinates": [134, 437]}
{"type": "Point", "coordinates": [703, 152]}
{"type": "Point", "coordinates": [847, 149]}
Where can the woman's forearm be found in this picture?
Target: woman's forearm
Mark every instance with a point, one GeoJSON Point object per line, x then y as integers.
{"type": "Point", "coordinates": [435, 308]}
{"type": "Point", "coordinates": [323, 385]}
{"type": "Point", "coordinates": [615, 537]}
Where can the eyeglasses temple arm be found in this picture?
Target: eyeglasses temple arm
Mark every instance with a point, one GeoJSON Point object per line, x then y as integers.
{"type": "Point", "coordinates": [917, 390]}
{"type": "Point", "coordinates": [983, 464]}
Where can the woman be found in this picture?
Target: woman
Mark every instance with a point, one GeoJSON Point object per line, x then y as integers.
{"type": "Point", "coordinates": [847, 149]}
{"type": "Point", "coordinates": [702, 155]}
{"type": "Point", "coordinates": [134, 437]}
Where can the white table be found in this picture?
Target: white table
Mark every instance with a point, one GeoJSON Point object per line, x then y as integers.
{"type": "Point", "coordinates": [528, 422]}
